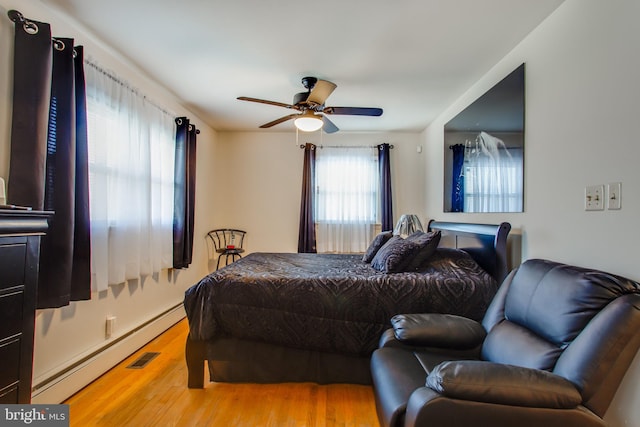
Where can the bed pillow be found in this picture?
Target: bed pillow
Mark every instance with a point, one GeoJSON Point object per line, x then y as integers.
{"type": "Point", "coordinates": [427, 242]}
{"type": "Point", "coordinates": [395, 255]}
{"type": "Point", "coordinates": [376, 244]}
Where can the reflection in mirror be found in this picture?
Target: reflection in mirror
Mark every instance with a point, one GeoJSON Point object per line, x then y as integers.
{"type": "Point", "coordinates": [484, 151]}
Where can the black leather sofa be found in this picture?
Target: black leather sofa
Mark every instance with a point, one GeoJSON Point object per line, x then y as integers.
{"type": "Point", "coordinates": [550, 351]}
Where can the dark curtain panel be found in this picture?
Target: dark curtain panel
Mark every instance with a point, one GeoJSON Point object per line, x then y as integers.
{"type": "Point", "coordinates": [457, 187]}
{"type": "Point", "coordinates": [55, 158]}
{"type": "Point", "coordinates": [307, 230]}
{"type": "Point", "coordinates": [81, 274]}
{"type": "Point", "coordinates": [184, 193]}
{"type": "Point", "coordinates": [31, 92]}
{"type": "Point", "coordinates": [386, 204]}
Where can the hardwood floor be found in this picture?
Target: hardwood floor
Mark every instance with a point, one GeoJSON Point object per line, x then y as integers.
{"type": "Point", "coordinates": [157, 395]}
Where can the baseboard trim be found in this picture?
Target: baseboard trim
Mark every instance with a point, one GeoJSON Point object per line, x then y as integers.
{"type": "Point", "coordinates": [59, 387]}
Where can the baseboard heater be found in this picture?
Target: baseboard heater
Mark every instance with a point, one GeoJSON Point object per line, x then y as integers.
{"type": "Point", "coordinates": [66, 382]}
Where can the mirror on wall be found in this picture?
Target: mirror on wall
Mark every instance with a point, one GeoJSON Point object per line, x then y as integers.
{"type": "Point", "coordinates": [484, 151]}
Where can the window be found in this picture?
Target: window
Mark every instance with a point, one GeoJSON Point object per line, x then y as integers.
{"type": "Point", "coordinates": [131, 164]}
{"type": "Point", "coordinates": [347, 198]}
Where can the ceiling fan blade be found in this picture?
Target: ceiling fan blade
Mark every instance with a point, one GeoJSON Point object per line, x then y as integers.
{"type": "Point", "coordinates": [264, 101]}
{"type": "Point", "coordinates": [353, 111]}
{"type": "Point", "coordinates": [278, 121]}
{"type": "Point", "coordinates": [328, 126]}
{"type": "Point", "coordinates": [321, 92]}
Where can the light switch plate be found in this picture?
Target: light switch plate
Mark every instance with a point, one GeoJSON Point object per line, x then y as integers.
{"type": "Point", "coordinates": [614, 195]}
{"type": "Point", "coordinates": [594, 198]}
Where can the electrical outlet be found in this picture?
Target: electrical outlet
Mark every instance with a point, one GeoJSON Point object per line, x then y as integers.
{"type": "Point", "coordinates": [594, 198]}
{"type": "Point", "coordinates": [614, 195]}
{"type": "Point", "coordinates": [110, 326]}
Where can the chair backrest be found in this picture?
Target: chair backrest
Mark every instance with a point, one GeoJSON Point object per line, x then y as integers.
{"type": "Point", "coordinates": [579, 323]}
{"type": "Point", "coordinates": [224, 237]}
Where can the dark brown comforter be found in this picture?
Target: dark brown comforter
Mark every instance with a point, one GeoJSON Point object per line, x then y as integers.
{"type": "Point", "coordinates": [328, 302]}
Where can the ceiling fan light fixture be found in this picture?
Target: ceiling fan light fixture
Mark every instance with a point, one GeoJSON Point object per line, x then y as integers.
{"type": "Point", "coordinates": [308, 122]}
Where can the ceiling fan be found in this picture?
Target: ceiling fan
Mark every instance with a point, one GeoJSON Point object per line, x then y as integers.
{"type": "Point", "coordinates": [312, 113]}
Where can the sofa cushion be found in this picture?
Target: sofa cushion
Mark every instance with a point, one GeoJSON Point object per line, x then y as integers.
{"type": "Point", "coordinates": [514, 345]}
{"type": "Point", "coordinates": [556, 301]}
{"type": "Point", "coordinates": [502, 384]}
{"type": "Point", "coordinates": [438, 330]}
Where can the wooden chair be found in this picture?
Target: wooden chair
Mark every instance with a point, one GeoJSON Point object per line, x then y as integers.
{"type": "Point", "coordinates": [227, 242]}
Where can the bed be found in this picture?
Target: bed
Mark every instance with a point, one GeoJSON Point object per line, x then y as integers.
{"type": "Point", "coordinates": [282, 317]}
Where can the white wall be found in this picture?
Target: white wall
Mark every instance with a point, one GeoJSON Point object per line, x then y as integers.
{"type": "Point", "coordinates": [581, 124]}
{"type": "Point", "coordinates": [66, 335]}
{"type": "Point", "coordinates": [260, 181]}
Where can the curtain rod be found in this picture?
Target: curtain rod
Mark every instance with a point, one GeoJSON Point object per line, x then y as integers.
{"type": "Point", "coordinates": [32, 28]}
{"type": "Point", "coordinates": [347, 146]}
{"type": "Point", "coordinates": [126, 85]}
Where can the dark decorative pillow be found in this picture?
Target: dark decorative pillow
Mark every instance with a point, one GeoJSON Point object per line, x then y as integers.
{"type": "Point", "coordinates": [428, 243]}
{"type": "Point", "coordinates": [395, 255]}
{"type": "Point", "coordinates": [376, 244]}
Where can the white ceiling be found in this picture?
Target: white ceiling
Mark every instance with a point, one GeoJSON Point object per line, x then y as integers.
{"type": "Point", "coordinates": [412, 58]}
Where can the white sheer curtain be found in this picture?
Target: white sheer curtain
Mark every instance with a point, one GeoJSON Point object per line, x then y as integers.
{"type": "Point", "coordinates": [131, 165]}
{"type": "Point", "coordinates": [346, 198]}
{"type": "Point", "coordinates": [493, 176]}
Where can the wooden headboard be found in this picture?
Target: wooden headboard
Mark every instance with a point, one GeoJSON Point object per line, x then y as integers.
{"type": "Point", "coordinates": [486, 243]}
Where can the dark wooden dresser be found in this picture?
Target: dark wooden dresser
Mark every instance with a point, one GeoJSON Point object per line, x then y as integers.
{"type": "Point", "coordinates": [20, 232]}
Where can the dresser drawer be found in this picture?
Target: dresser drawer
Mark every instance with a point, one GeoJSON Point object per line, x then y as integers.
{"type": "Point", "coordinates": [11, 313]}
{"type": "Point", "coordinates": [12, 263]}
{"type": "Point", "coordinates": [9, 395]}
{"type": "Point", "coordinates": [10, 366]}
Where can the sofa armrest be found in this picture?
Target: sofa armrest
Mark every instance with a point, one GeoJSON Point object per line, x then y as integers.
{"type": "Point", "coordinates": [438, 330]}
{"type": "Point", "coordinates": [503, 384]}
